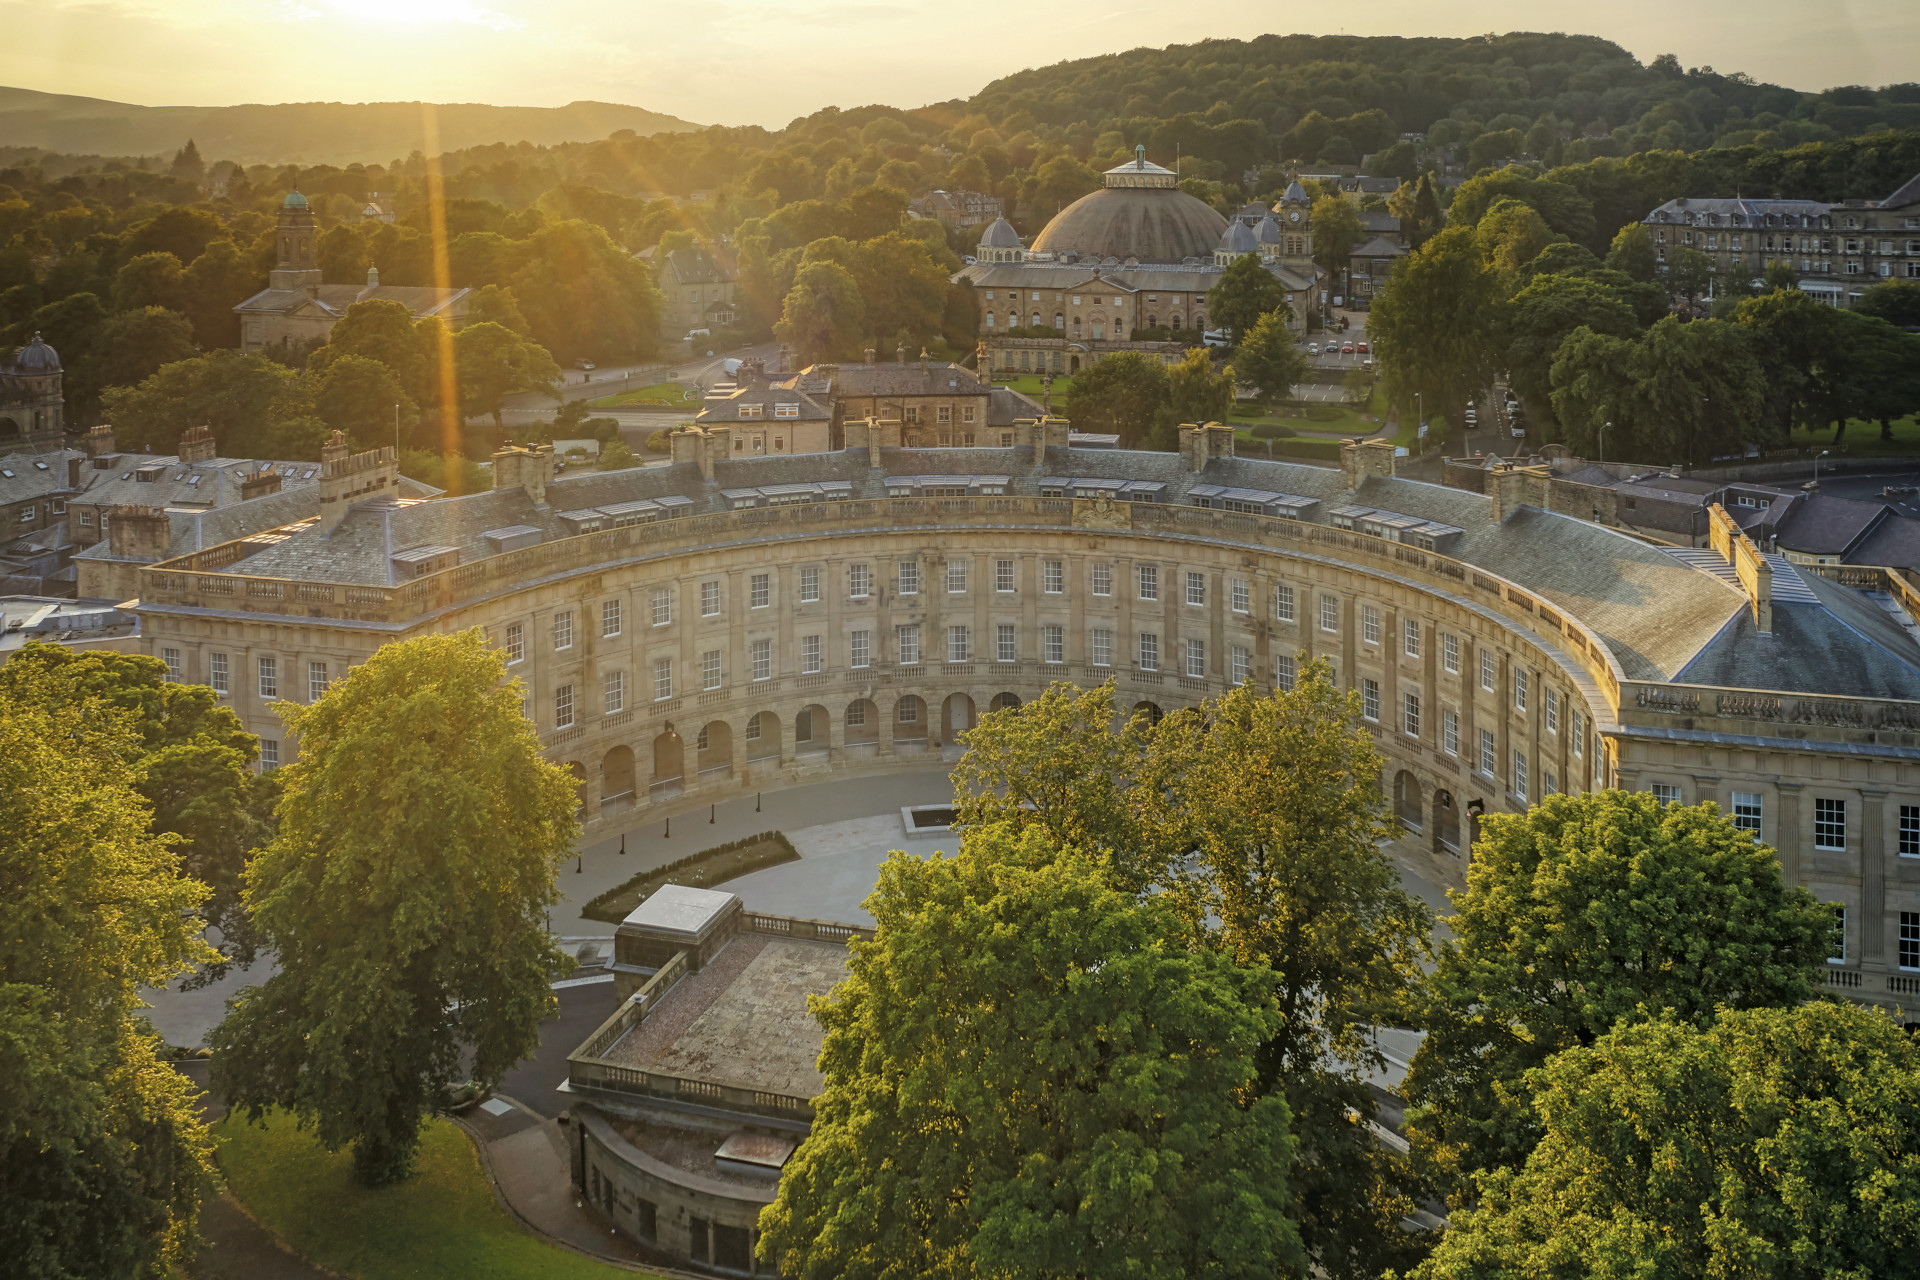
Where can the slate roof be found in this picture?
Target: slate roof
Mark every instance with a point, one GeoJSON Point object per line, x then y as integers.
{"type": "Point", "coordinates": [35, 475]}
{"type": "Point", "coordinates": [696, 266]}
{"type": "Point", "coordinates": [1843, 644]}
{"type": "Point", "coordinates": [1378, 222]}
{"type": "Point", "coordinates": [907, 380]}
{"type": "Point", "coordinates": [726, 408]}
{"type": "Point", "coordinates": [334, 299]}
{"type": "Point", "coordinates": [1909, 193]}
{"type": "Point", "coordinates": [213, 483]}
{"type": "Point", "coordinates": [197, 530]}
{"type": "Point", "coordinates": [1894, 541]}
{"type": "Point", "coordinates": [1005, 406]}
{"type": "Point", "coordinates": [1824, 526]}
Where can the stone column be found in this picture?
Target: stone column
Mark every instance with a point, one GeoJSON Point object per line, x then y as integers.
{"type": "Point", "coordinates": [1788, 837]}
{"type": "Point", "coordinates": [1873, 873]}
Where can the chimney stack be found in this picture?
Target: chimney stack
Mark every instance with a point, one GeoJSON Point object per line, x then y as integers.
{"type": "Point", "coordinates": [99, 441]}
{"type": "Point", "coordinates": [347, 478]}
{"type": "Point", "coordinates": [259, 484]}
{"type": "Point", "coordinates": [900, 354]}
{"type": "Point", "coordinates": [139, 533]}
{"type": "Point", "coordinates": [196, 445]}
{"type": "Point", "coordinates": [923, 361]}
{"type": "Point", "coordinates": [528, 467]}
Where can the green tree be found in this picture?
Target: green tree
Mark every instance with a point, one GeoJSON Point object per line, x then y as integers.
{"type": "Point", "coordinates": [242, 397]}
{"type": "Point", "coordinates": [150, 280]}
{"type": "Point", "coordinates": [1538, 320]}
{"type": "Point", "coordinates": [585, 296]}
{"type": "Point", "coordinates": [191, 762]}
{"type": "Point", "coordinates": [616, 457]}
{"type": "Point", "coordinates": [1258, 818]}
{"type": "Point", "coordinates": [824, 316]}
{"type": "Point", "coordinates": [103, 1155]}
{"type": "Point", "coordinates": [496, 303]}
{"type": "Point", "coordinates": [363, 398]}
{"type": "Point", "coordinates": [1062, 180]}
{"type": "Point", "coordinates": [1268, 359]}
{"type": "Point", "coordinates": [1197, 392]}
{"type": "Point", "coordinates": [133, 345]}
{"type": "Point", "coordinates": [1586, 912]}
{"type": "Point", "coordinates": [1436, 325]}
{"type": "Point", "coordinates": [188, 166]}
{"type": "Point", "coordinates": [1895, 301]}
{"type": "Point", "coordinates": [1125, 392]}
{"type": "Point", "coordinates": [181, 230]}
{"type": "Point", "coordinates": [1510, 235]}
{"type": "Point", "coordinates": [404, 898]}
{"type": "Point", "coordinates": [384, 330]}
{"type": "Point", "coordinates": [1773, 1142]}
{"type": "Point", "coordinates": [1336, 230]}
{"type": "Point", "coordinates": [216, 282]}
{"type": "Point", "coordinates": [493, 362]}
{"type": "Point", "coordinates": [1689, 274]}
{"type": "Point", "coordinates": [1244, 293]}
{"type": "Point", "coordinates": [1031, 1072]}
{"type": "Point", "coordinates": [903, 286]}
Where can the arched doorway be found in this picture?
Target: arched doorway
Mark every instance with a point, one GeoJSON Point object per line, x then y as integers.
{"type": "Point", "coordinates": [579, 772]}
{"type": "Point", "coordinates": [1073, 364]}
{"type": "Point", "coordinates": [910, 719]}
{"type": "Point", "coordinates": [810, 730]}
{"type": "Point", "coordinates": [1004, 702]}
{"type": "Point", "coordinates": [763, 737]}
{"type": "Point", "coordinates": [713, 750]}
{"type": "Point", "coordinates": [862, 721]}
{"type": "Point", "coordinates": [616, 775]}
{"type": "Point", "coordinates": [1152, 710]}
{"type": "Point", "coordinates": [1408, 805]}
{"type": "Point", "coordinates": [669, 762]}
{"type": "Point", "coordinates": [956, 716]}
{"type": "Point", "coordinates": [1446, 822]}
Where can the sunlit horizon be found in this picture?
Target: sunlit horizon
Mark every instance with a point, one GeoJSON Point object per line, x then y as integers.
{"type": "Point", "coordinates": [736, 64]}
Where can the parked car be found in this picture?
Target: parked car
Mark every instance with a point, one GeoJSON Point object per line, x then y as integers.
{"type": "Point", "coordinates": [1367, 364]}
{"type": "Point", "coordinates": [1472, 419]}
{"type": "Point", "coordinates": [1346, 348]}
{"type": "Point", "coordinates": [1361, 347]}
{"type": "Point", "coordinates": [1313, 348]}
{"type": "Point", "coordinates": [585, 364]}
{"type": "Point", "coordinates": [1215, 338]}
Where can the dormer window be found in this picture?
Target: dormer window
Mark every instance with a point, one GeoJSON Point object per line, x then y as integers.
{"type": "Point", "coordinates": [752, 410]}
{"type": "Point", "coordinates": [786, 411]}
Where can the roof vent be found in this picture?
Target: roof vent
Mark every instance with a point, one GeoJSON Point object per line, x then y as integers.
{"type": "Point", "coordinates": [512, 538]}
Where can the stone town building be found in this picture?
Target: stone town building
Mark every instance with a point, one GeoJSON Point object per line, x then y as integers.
{"type": "Point", "coordinates": [729, 623]}
{"type": "Point", "coordinates": [1839, 250]}
{"type": "Point", "coordinates": [699, 287]}
{"type": "Point", "coordinates": [1372, 262]}
{"type": "Point", "coordinates": [713, 1012]}
{"type": "Point", "coordinates": [934, 405]}
{"type": "Point", "coordinates": [957, 208]}
{"type": "Point", "coordinates": [32, 407]}
{"type": "Point", "coordinates": [297, 306]}
{"type": "Point", "coordinates": [1137, 254]}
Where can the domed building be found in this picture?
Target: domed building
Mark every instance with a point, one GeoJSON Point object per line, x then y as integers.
{"type": "Point", "coordinates": [31, 402]}
{"type": "Point", "coordinates": [1127, 267]}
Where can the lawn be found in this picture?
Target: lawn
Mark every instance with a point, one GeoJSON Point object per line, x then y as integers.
{"type": "Point", "coordinates": [670, 395]}
{"type": "Point", "coordinates": [1862, 440]}
{"type": "Point", "coordinates": [441, 1222]}
{"type": "Point", "coordinates": [1029, 385]}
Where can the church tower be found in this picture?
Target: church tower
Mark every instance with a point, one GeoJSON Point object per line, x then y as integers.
{"type": "Point", "coordinates": [297, 265]}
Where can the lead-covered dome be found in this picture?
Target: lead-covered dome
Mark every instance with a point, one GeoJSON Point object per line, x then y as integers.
{"type": "Point", "coordinates": [36, 357]}
{"type": "Point", "coordinates": [1001, 235]}
{"type": "Point", "coordinates": [294, 200]}
{"type": "Point", "coordinates": [1238, 238]}
{"type": "Point", "coordinates": [1140, 213]}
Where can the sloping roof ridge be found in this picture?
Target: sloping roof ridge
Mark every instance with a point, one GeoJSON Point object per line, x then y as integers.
{"type": "Point", "coordinates": [1909, 661]}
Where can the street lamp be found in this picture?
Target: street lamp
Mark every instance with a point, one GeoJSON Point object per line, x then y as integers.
{"type": "Point", "coordinates": [1816, 466]}
{"type": "Point", "coordinates": [1604, 428]}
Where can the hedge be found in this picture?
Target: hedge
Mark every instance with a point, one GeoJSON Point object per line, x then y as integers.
{"type": "Point", "coordinates": [597, 908]}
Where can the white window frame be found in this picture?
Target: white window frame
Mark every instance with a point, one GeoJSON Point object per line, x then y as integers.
{"type": "Point", "coordinates": [610, 619]}
{"type": "Point", "coordinates": [1196, 659]}
{"type": "Point", "coordinates": [1370, 699]}
{"type": "Point", "coordinates": [563, 630]}
{"type": "Point", "coordinates": [1053, 577]}
{"type": "Point", "coordinates": [1369, 624]}
{"type": "Point", "coordinates": [859, 581]}
{"type": "Point", "coordinates": [1823, 827]}
{"type": "Point", "coordinates": [1450, 653]}
{"type": "Point", "coordinates": [317, 681]}
{"type": "Point", "coordinates": [1450, 731]}
{"type": "Point", "coordinates": [1147, 579]}
{"type": "Point", "coordinates": [809, 584]}
{"type": "Point", "coordinates": [613, 692]}
{"type": "Point", "coordinates": [1240, 596]}
{"type": "Point", "coordinates": [1330, 614]}
{"type": "Point", "coordinates": [1286, 673]}
{"type": "Point", "coordinates": [812, 655]}
{"type": "Point", "coordinates": [1100, 647]}
{"type": "Point", "coordinates": [267, 672]}
{"type": "Point", "coordinates": [860, 649]}
{"type": "Point", "coordinates": [906, 642]}
{"type": "Point", "coordinates": [563, 706]}
{"type": "Point", "coordinates": [1410, 637]}
{"type": "Point", "coordinates": [662, 606]}
{"type": "Point", "coordinates": [710, 598]}
{"type": "Point", "coordinates": [761, 655]}
{"type": "Point", "coordinates": [1488, 673]}
{"type": "Point", "coordinates": [662, 679]}
{"type": "Point", "coordinates": [1100, 579]}
{"type": "Point", "coordinates": [956, 577]}
{"type": "Point", "coordinates": [713, 673]}
{"type": "Point", "coordinates": [1283, 602]}
{"type": "Point", "coordinates": [1410, 714]}
{"type": "Point", "coordinates": [1006, 643]}
{"type": "Point", "coordinates": [1148, 651]}
{"type": "Point", "coordinates": [1196, 589]}
{"type": "Point", "coordinates": [1003, 577]}
{"type": "Point", "coordinates": [759, 591]}
{"type": "Point", "coordinates": [909, 577]}
{"type": "Point", "coordinates": [959, 643]}
{"type": "Point", "coordinates": [218, 674]}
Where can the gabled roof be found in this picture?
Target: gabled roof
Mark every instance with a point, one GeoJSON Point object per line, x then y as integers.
{"type": "Point", "coordinates": [696, 266]}
{"type": "Point", "coordinates": [1909, 193]}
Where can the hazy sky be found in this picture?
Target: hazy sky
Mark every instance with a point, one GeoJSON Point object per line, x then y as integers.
{"type": "Point", "coordinates": [739, 63]}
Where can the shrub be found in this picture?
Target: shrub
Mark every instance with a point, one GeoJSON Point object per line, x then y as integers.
{"type": "Point", "coordinates": [602, 907]}
{"type": "Point", "coordinates": [657, 441]}
{"type": "Point", "coordinates": [1319, 450]}
{"type": "Point", "coordinates": [1273, 431]}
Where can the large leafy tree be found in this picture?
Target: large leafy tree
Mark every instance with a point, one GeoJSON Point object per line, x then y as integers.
{"type": "Point", "coordinates": [1539, 318]}
{"type": "Point", "coordinates": [1196, 391]}
{"type": "Point", "coordinates": [1436, 326]}
{"type": "Point", "coordinates": [1777, 1142]}
{"type": "Point", "coordinates": [150, 280]}
{"type": "Point", "coordinates": [1336, 230]}
{"type": "Point", "coordinates": [1245, 291]}
{"type": "Point", "coordinates": [585, 296]}
{"type": "Point", "coordinates": [1895, 301]}
{"type": "Point", "coordinates": [1268, 360]}
{"type": "Point", "coordinates": [1258, 818]}
{"type": "Point", "coordinates": [191, 762]}
{"type": "Point", "coordinates": [1032, 1072]}
{"type": "Point", "coordinates": [384, 330]}
{"type": "Point", "coordinates": [824, 315]}
{"type": "Point", "coordinates": [134, 345]}
{"type": "Point", "coordinates": [103, 1156]}
{"type": "Point", "coordinates": [492, 362]}
{"type": "Point", "coordinates": [404, 898]}
{"type": "Point", "coordinates": [1682, 392]}
{"type": "Point", "coordinates": [1125, 392]}
{"type": "Point", "coordinates": [362, 397]}
{"type": "Point", "coordinates": [1632, 252]}
{"type": "Point", "coordinates": [243, 398]}
{"type": "Point", "coordinates": [1583, 913]}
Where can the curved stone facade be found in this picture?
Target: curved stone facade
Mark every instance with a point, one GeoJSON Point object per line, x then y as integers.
{"type": "Point", "coordinates": [671, 663]}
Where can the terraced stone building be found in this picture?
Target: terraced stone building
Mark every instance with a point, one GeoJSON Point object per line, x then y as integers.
{"type": "Point", "coordinates": [728, 623]}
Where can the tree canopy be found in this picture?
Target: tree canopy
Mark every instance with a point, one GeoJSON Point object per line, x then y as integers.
{"type": "Point", "coordinates": [1245, 292]}
{"type": "Point", "coordinates": [1125, 392]}
{"type": "Point", "coordinates": [1580, 914]}
{"type": "Point", "coordinates": [1030, 1071]}
{"type": "Point", "coordinates": [404, 898]}
{"type": "Point", "coordinates": [1773, 1142]}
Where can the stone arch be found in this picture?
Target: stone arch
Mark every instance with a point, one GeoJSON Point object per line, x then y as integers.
{"type": "Point", "coordinates": [1408, 804]}
{"type": "Point", "coordinates": [9, 429]}
{"type": "Point", "coordinates": [811, 730]}
{"type": "Point", "coordinates": [956, 716]}
{"type": "Point", "coordinates": [1073, 364]}
{"type": "Point", "coordinates": [910, 720]}
{"type": "Point", "coordinates": [579, 772]}
{"type": "Point", "coordinates": [616, 774]}
{"type": "Point", "coordinates": [762, 737]}
{"type": "Point", "coordinates": [1004, 702]}
{"type": "Point", "coordinates": [861, 721]}
{"type": "Point", "coordinates": [669, 759]}
{"type": "Point", "coordinates": [713, 749]}
{"type": "Point", "coordinates": [1152, 709]}
{"type": "Point", "coordinates": [1176, 320]}
{"type": "Point", "coordinates": [1446, 822]}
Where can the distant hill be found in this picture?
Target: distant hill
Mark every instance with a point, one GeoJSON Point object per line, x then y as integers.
{"type": "Point", "coordinates": [303, 132]}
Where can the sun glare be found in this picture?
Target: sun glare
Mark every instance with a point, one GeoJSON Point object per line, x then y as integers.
{"type": "Point", "coordinates": [422, 13]}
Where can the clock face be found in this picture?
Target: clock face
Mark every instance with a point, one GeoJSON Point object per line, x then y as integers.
{"type": "Point", "coordinates": [1294, 216]}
